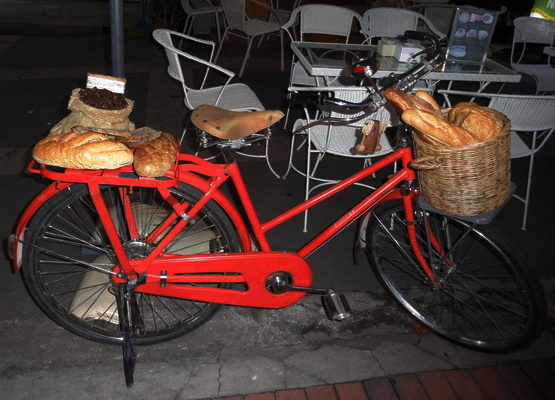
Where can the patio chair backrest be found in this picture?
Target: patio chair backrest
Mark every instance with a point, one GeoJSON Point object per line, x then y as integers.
{"type": "Point", "coordinates": [235, 14]}
{"type": "Point", "coordinates": [534, 30]}
{"type": "Point", "coordinates": [391, 22]}
{"type": "Point", "coordinates": [322, 19]}
{"type": "Point", "coordinates": [193, 94]}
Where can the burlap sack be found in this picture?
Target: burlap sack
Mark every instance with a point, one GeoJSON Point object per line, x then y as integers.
{"type": "Point", "coordinates": [87, 116]}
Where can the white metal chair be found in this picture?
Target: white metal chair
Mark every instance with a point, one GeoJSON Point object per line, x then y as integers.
{"type": "Point", "coordinates": [532, 123]}
{"type": "Point", "coordinates": [239, 24]}
{"type": "Point", "coordinates": [334, 22]}
{"type": "Point", "coordinates": [390, 22]}
{"type": "Point", "coordinates": [230, 96]}
{"type": "Point", "coordinates": [441, 15]}
{"type": "Point", "coordinates": [193, 12]}
{"type": "Point", "coordinates": [284, 13]}
{"type": "Point", "coordinates": [530, 31]}
{"type": "Point", "coordinates": [323, 139]}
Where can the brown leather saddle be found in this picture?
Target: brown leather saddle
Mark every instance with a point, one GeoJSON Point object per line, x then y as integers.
{"type": "Point", "coordinates": [229, 125]}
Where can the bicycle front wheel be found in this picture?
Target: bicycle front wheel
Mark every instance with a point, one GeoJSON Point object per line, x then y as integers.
{"type": "Point", "coordinates": [68, 259]}
{"type": "Point", "coordinates": [482, 299]}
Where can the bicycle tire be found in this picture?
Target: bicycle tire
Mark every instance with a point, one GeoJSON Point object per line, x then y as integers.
{"type": "Point", "coordinates": [81, 299]}
{"type": "Point", "coordinates": [486, 300]}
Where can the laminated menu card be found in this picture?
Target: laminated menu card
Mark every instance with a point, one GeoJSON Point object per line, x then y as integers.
{"type": "Point", "coordinates": [470, 36]}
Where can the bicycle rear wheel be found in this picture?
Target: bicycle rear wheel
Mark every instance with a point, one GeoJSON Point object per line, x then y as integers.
{"type": "Point", "coordinates": [484, 299]}
{"type": "Point", "coordinates": [67, 260]}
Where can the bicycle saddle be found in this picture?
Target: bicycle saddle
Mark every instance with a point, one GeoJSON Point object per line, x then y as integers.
{"type": "Point", "coordinates": [229, 125]}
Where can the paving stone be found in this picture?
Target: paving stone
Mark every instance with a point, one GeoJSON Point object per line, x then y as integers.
{"type": "Point", "coordinates": [326, 392]}
{"type": "Point", "coordinates": [540, 375]}
{"type": "Point", "coordinates": [437, 386]}
{"type": "Point", "coordinates": [292, 394]}
{"type": "Point", "coordinates": [408, 387]}
{"type": "Point", "coordinates": [465, 385]}
{"type": "Point", "coordinates": [457, 356]}
{"type": "Point", "coordinates": [255, 375]}
{"type": "Point", "coordinates": [398, 358]}
{"type": "Point", "coordinates": [331, 364]}
{"type": "Point", "coordinates": [264, 396]}
{"type": "Point", "coordinates": [518, 382]}
{"type": "Point", "coordinates": [380, 388]}
{"type": "Point", "coordinates": [491, 383]}
{"type": "Point", "coordinates": [231, 398]}
{"type": "Point", "coordinates": [351, 391]}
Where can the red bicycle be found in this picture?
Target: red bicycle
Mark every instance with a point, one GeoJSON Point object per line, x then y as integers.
{"type": "Point", "coordinates": [118, 258]}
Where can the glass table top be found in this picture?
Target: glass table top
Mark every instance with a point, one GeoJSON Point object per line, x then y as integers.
{"type": "Point", "coordinates": [334, 59]}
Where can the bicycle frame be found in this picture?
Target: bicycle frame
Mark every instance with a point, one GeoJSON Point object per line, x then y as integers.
{"type": "Point", "coordinates": [167, 274]}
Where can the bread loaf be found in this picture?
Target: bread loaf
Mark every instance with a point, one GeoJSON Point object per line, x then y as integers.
{"type": "Point", "coordinates": [399, 99]}
{"type": "Point", "coordinates": [156, 157]}
{"type": "Point", "coordinates": [484, 123]}
{"type": "Point", "coordinates": [436, 129]}
{"type": "Point", "coordinates": [404, 102]}
{"type": "Point", "coordinates": [423, 95]}
{"type": "Point", "coordinates": [87, 150]}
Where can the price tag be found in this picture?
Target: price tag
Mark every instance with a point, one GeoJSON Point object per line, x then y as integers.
{"type": "Point", "coordinates": [111, 83]}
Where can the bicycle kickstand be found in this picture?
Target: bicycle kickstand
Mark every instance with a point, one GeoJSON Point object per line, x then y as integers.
{"type": "Point", "coordinates": [123, 295]}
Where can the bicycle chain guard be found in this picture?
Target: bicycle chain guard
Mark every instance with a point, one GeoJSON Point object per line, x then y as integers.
{"type": "Point", "coordinates": [234, 278]}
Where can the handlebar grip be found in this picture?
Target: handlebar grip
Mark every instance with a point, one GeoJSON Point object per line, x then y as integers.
{"type": "Point", "coordinates": [415, 35]}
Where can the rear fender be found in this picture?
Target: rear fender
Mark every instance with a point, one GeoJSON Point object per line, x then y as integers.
{"type": "Point", "coordinates": [15, 241]}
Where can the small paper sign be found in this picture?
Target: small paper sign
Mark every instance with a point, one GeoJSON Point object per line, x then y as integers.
{"type": "Point", "coordinates": [111, 83]}
{"type": "Point", "coordinates": [471, 35]}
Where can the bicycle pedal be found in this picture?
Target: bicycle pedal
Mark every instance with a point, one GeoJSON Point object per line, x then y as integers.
{"type": "Point", "coordinates": [336, 306]}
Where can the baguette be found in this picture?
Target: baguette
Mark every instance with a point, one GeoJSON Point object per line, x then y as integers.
{"type": "Point", "coordinates": [404, 102]}
{"type": "Point", "coordinates": [436, 129]}
{"type": "Point", "coordinates": [421, 94]}
{"type": "Point", "coordinates": [87, 150]}
{"type": "Point", "coordinates": [156, 157]}
{"type": "Point", "coordinates": [399, 99]}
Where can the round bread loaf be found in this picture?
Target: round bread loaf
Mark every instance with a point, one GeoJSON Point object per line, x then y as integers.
{"type": "Point", "coordinates": [157, 156]}
{"type": "Point", "coordinates": [87, 150]}
{"type": "Point", "coordinates": [483, 122]}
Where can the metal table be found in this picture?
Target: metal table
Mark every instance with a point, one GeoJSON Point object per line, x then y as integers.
{"type": "Point", "coordinates": [331, 60]}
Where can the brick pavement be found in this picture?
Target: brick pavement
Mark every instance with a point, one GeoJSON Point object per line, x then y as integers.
{"type": "Point", "coordinates": [527, 380]}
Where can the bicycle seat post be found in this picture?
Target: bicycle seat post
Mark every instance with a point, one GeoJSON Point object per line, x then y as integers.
{"type": "Point", "coordinates": [227, 154]}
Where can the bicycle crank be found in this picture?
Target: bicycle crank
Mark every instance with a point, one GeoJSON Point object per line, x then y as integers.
{"type": "Point", "coordinates": [335, 304]}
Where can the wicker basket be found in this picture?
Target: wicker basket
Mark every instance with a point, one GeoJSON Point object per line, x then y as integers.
{"type": "Point", "coordinates": [465, 180]}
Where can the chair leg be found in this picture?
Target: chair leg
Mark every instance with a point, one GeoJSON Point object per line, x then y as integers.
{"type": "Point", "coordinates": [247, 55]}
{"type": "Point", "coordinates": [187, 27]}
{"type": "Point", "coordinates": [224, 38]}
{"type": "Point", "coordinates": [281, 43]}
{"type": "Point", "coordinates": [217, 18]}
{"type": "Point", "coordinates": [307, 183]}
{"type": "Point", "coordinates": [526, 198]}
{"type": "Point", "coordinates": [286, 119]}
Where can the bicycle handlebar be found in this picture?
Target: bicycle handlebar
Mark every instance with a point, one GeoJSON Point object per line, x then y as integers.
{"type": "Point", "coordinates": [365, 68]}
